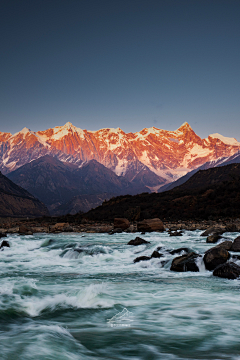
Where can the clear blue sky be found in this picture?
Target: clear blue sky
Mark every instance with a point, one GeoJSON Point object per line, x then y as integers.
{"type": "Point", "coordinates": [126, 63]}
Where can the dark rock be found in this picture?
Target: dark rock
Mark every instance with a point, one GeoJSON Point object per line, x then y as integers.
{"type": "Point", "coordinates": [78, 250]}
{"type": "Point", "coordinates": [236, 245]}
{"type": "Point", "coordinates": [2, 235]}
{"type": "Point", "coordinates": [60, 227]}
{"type": "Point", "coordinates": [173, 228]}
{"type": "Point", "coordinates": [24, 230]}
{"type": "Point", "coordinates": [228, 271]}
{"type": "Point", "coordinates": [68, 229]}
{"type": "Point", "coordinates": [235, 257]}
{"type": "Point", "coordinates": [215, 256]}
{"type": "Point", "coordinates": [156, 254]}
{"type": "Point", "coordinates": [185, 263]}
{"type": "Point", "coordinates": [141, 258]}
{"type": "Point", "coordinates": [176, 233]}
{"type": "Point", "coordinates": [178, 251]}
{"type": "Point", "coordinates": [143, 233]}
{"type": "Point", "coordinates": [213, 238]}
{"type": "Point", "coordinates": [213, 230]}
{"type": "Point", "coordinates": [121, 223]}
{"type": "Point", "coordinates": [115, 231]}
{"type": "Point", "coordinates": [150, 225]}
{"type": "Point", "coordinates": [4, 244]}
{"type": "Point", "coordinates": [225, 245]}
{"type": "Point", "coordinates": [231, 228]}
{"type": "Point", "coordinates": [138, 241]}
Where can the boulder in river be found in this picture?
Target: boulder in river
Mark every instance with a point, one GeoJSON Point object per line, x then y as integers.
{"type": "Point", "coordinates": [227, 245]}
{"type": "Point", "coordinates": [2, 235]}
{"type": "Point", "coordinates": [178, 251]}
{"type": "Point", "coordinates": [141, 258]}
{"type": "Point", "coordinates": [213, 238]}
{"type": "Point", "coordinates": [156, 254]}
{"type": "Point", "coordinates": [138, 241]}
{"type": "Point", "coordinates": [175, 233]}
{"type": "Point", "coordinates": [185, 263]}
{"type": "Point", "coordinates": [115, 231]}
{"type": "Point", "coordinates": [213, 230]}
{"type": "Point", "coordinates": [4, 244]}
{"type": "Point", "coordinates": [228, 270]}
{"type": "Point", "coordinates": [150, 225]}
{"type": "Point", "coordinates": [236, 245]}
{"type": "Point", "coordinates": [121, 223]}
{"type": "Point", "coordinates": [215, 256]}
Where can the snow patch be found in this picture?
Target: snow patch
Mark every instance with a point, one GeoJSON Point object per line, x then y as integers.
{"type": "Point", "coordinates": [24, 132]}
{"type": "Point", "coordinates": [60, 131]}
{"type": "Point", "coordinates": [121, 167]}
{"type": "Point", "coordinates": [225, 140]}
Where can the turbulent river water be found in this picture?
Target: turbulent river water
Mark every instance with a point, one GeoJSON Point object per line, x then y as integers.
{"type": "Point", "coordinates": [95, 303]}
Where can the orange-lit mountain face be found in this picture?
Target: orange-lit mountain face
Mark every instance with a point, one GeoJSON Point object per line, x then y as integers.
{"type": "Point", "coordinates": [169, 154]}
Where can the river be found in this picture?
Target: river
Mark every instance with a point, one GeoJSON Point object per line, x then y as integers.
{"type": "Point", "coordinates": [95, 303]}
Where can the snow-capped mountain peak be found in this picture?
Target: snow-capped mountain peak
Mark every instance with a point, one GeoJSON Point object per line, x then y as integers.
{"type": "Point", "coordinates": [23, 132]}
{"type": "Point", "coordinates": [185, 126]}
{"type": "Point", "coordinates": [166, 153]}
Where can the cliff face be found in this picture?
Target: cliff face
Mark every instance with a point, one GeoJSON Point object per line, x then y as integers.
{"type": "Point", "coordinates": [168, 154]}
{"type": "Point", "coordinates": [17, 202]}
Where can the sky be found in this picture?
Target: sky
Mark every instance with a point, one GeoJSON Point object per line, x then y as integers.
{"type": "Point", "coordinates": [120, 63]}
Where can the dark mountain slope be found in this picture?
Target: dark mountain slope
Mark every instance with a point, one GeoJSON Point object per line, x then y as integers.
{"type": "Point", "coordinates": [81, 203]}
{"type": "Point", "coordinates": [47, 178]}
{"type": "Point", "coordinates": [17, 202]}
{"type": "Point", "coordinates": [209, 193]}
{"type": "Point", "coordinates": [211, 177]}
{"type": "Point", "coordinates": [95, 178]}
{"type": "Point", "coordinates": [140, 175]}
{"type": "Point", "coordinates": [234, 159]}
{"type": "Point", "coordinates": [56, 183]}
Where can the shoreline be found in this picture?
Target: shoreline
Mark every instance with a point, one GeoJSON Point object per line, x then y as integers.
{"type": "Point", "coordinates": [53, 225]}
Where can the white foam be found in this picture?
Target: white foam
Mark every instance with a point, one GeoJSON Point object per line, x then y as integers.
{"type": "Point", "coordinates": [91, 296]}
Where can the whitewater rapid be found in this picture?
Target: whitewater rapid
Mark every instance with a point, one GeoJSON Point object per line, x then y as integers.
{"type": "Point", "coordinates": [61, 296]}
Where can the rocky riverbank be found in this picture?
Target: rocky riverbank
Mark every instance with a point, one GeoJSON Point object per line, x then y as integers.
{"type": "Point", "coordinates": [58, 225]}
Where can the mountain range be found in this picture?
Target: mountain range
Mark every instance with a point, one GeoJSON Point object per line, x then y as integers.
{"type": "Point", "coordinates": [71, 170]}
{"type": "Point", "coordinates": [167, 154]}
